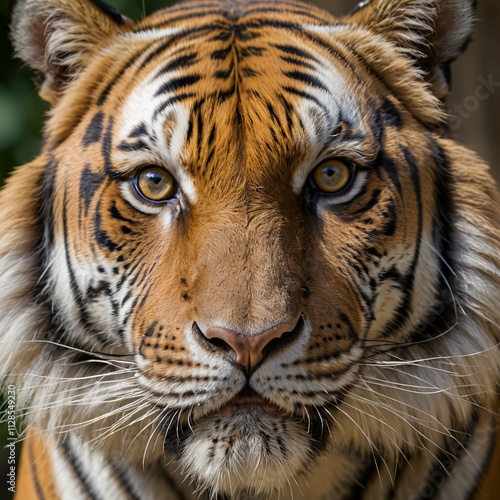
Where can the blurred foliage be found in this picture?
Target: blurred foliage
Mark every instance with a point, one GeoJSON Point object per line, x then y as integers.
{"type": "Point", "coordinates": [21, 110]}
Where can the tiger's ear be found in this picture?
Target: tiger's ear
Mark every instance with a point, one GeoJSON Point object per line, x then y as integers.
{"type": "Point", "coordinates": [58, 37]}
{"type": "Point", "coordinates": [434, 32]}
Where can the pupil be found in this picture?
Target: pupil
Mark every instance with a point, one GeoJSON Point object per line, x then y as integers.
{"type": "Point", "coordinates": [154, 177]}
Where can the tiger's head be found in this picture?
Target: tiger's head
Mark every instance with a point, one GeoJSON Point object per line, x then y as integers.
{"type": "Point", "coordinates": [247, 240]}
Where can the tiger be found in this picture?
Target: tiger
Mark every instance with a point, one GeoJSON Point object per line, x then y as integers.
{"type": "Point", "coordinates": [250, 260]}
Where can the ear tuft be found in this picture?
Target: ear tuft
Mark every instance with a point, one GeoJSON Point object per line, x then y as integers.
{"type": "Point", "coordinates": [57, 37]}
{"type": "Point", "coordinates": [433, 32]}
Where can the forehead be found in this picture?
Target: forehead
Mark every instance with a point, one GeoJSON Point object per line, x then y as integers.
{"type": "Point", "coordinates": [242, 84]}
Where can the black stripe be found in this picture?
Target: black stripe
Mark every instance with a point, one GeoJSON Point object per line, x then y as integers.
{"type": "Point", "coordinates": [145, 274]}
{"type": "Point", "coordinates": [138, 131]}
{"type": "Point", "coordinates": [391, 114]}
{"type": "Point", "coordinates": [249, 72]}
{"type": "Point", "coordinates": [223, 36]}
{"type": "Point", "coordinates": [178, 19]}
{"type": "Point", "coordinates": [390, 219]}
{"type": "Point", "coordinates": [143, 299]}
{"type": "Point", "coordinates": [251, 51]}
{"type": "Point", "coordinates": [90, 182]}
{"type": "Point", "coordinates": [345, 319]}
{"type": "Point", "coordinates": [151, 329]}
{"type": "Point", "coordinates": [308, 79]}
{"type": "Point", "coordinates": [209, 157]}
{"type": "Point", "coordinates": [290, 49]}
{"type": "Point", "coordinates": [221, 54]}
{"type": "Point", "coordinates": [446, 458]}
{"type": "Point", "coordinates": [94, 130]}
{"type": "Point", "coordinates": [125, 276]}
{"type": "Point", "coordinates": [115, 213]}
{"type": "Point", "coordinates": [402, 313]}
{"type": "Point", "coordinates": [75, 291]}
{"type": "Point", "coordinates": [223, 95]}
{"type": "Point", "coordinates": [366, 475]}
{"type": "Point", "coordinates": [294, 12]}
{"type": "Point", "coordinates": [139, 272]}
{"type": "Point", "coordinates": [443, 241]}
{"type": "Point", "coordinates": [297, 29]}
{"type": "Point", "coordinates": [224, 75]}
{"type": "Point", "coordinates": [378, 127]}
{"type": "Point", "coordinates": [415, 177]}
{"type": "Point", "coordinates": [274, 116]}
{"type": "Point", "coordinates": [100, 235]}
{"type": "Point", "coordinates": [371, 202]}
{"type": "Point", "coordinates": [177, 83]}
{"type": "Point", "coordinates": [106, 148]}
{"type": "Point", "coordinates": [184, 61]}
{"type": "Point", "coordinates": [306, 95]}
{"type": "Point", "coordinates": [111, 12]}
{"type": "Point", "coordinates": [190, 127]}
{"type": "Point", "coordinates": [172, 100]}
{"type": "Point", "coordinates": [288, 112]}
{"type": "Point", "coordinates": [116, 78]}
{"type": "Point", "coordinates": [212, 135]}
{"type": "Point", "coordinates": [124, 480]}
{"type": "Point", "coordinates": [131, 146]}
{"type": "Point", "coordinates": [486, 466]}
{"type": "Point", "coordinates": [297, 62]}
{"type": "Point", "coordinates": [34, 472]}
{"type": "Point", "coordinates": [200, 125]}
{"type": "Point", "coordinates": [78, 470]}
{"type": "Point", "coordinates": [170, 41]}
{"type": "Point", "coordinates": [391, 169]}
{"type": "Point", "coordinates": [47, 195]}
{"type": "Point", "coordinates": [130, 312]}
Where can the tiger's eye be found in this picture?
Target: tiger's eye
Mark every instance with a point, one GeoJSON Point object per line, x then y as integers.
{"type": "Point", "coordinates": [155, 184]}
{"type": "Point", "coordinates": [332, 176]}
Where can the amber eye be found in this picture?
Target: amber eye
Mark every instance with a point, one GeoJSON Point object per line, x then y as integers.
{"type": "Point", "coordinates": [155, 184]}
{"type": "Point", "coordinates": [333, 176]}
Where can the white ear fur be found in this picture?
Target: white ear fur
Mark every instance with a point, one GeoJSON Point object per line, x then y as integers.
{"type": "Point", "coordinates": [434, 32]}
{"type": "Point", "coordinates": [56, 37]}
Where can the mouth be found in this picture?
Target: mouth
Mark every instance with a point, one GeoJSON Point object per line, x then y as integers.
{"type": "Point", "coordinates": [248, 401]}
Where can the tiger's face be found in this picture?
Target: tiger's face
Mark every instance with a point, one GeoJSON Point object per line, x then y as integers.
{"type": "Point", "coordinates": [245, 203]}
{"type": "Point", "coordinates": [221, 192]}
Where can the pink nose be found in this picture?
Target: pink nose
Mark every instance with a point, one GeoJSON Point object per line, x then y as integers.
{"type": "Point", "coordinates": [249, 349]}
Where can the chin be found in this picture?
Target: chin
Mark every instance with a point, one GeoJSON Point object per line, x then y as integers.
{"type": "Point", "coordinates": [250, 447]}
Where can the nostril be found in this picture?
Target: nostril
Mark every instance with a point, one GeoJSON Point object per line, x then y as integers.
{"type": "Point", "coordinates": [285, 339]}
{"type": "Point", "coordinates": [220, 344]}
{"type": "Point", "coordinates": [214, 344]}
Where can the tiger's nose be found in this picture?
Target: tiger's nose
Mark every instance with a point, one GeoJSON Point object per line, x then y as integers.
{"type": "Point", "coordinates": [250, 350]}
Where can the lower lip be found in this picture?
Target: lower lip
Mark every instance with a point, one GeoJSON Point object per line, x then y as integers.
{"type": "Point", "coordinates": [247, 403]}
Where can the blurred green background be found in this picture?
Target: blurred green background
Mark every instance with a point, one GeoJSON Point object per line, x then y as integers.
{"type": "Point", "coordinates": [478, 124]}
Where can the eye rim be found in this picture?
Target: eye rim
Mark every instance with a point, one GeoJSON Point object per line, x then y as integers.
{"type": "Point", "coordinates": [354, 172]}
{"type": "Point", "coordinates": [135, 183]}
